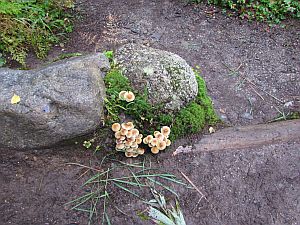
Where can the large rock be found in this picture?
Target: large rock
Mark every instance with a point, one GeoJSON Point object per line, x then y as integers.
{"type": "Point", "coordinates": [58, 102]}
{"type": "Point", "coordinates": [168, 78]}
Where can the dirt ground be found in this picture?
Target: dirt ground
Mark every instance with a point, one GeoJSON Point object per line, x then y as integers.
{"type": "Point", "coordinates": [251, 70]}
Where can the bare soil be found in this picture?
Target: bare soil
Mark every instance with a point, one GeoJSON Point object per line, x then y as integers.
{"type": "Point", "coordinates": [251, 71]}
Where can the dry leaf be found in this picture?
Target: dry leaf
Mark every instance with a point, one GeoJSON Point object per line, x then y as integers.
{"type": "Point", "coordinates": [15, 99]}
{"type": "Point", "coordinates": [211, 130]}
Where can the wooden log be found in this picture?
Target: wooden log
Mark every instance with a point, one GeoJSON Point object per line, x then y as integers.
{"type": "Point", "coordinates": [250, 136]}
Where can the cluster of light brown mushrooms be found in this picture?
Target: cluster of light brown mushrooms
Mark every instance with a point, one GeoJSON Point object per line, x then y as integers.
{"type": "Point", "coordinates": [159, 140]}
{"type": "Point", "coordinates": [129, 138]}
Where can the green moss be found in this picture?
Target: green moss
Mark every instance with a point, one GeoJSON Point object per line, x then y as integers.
{"type": "Point", "coordinates": [147, 118]}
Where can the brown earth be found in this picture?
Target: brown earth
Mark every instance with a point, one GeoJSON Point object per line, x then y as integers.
{"type": "Point", "coordinates": [240, 62]}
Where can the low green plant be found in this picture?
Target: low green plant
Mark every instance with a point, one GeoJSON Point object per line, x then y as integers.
{"type": "Point", "coordinates": [271, 11]}
{"type": "Point", "coordinates": [32, 24]}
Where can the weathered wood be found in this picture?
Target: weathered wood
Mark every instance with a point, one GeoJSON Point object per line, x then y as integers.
{"type": "Point", "coordinates": [250, 136]}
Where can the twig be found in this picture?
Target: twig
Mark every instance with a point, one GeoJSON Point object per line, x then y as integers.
{"type": "Point", "coordinates": [196, 188]}
{"type": "Point", "coordinates": [257, 92]}
{"type": "Point", "coordinates": [88, 167]}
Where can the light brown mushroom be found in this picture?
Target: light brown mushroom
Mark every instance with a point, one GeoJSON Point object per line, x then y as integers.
{"type": "Point", "coordinates": [161, 145]}
{"type": "Point", "coordinates": [154, 141]}
{"type": "Point", "coordinates": [145, 141]}
{"type": "Point", "coordinates": [128, 154]}
{"type": "Point", "coordinates": [120, 146]}
{"type": "Point", "coordinates": [129, 134]}
{"type": "Point", "coordinates": [160, 137]}
{"type": "Point", "coordinates": [118, 135]}
{"type": "Point", "coordinates": [165, 130]}
{"type": "Point", "coordinates": [154, 150]}
{"type": "Point", "coordinates": [140, 151]}
{"type": "Point", "coordinates": [116, 127]}
{"type": "Point", "coordinates": [121, 95]}
{"type": "Point", "coordinates": [135, 132]}
{"type": "Point", "coordinates": [129, 96]}
{"type": "Point", "coordinates": [124, 131]}
{"type": "Point", "coordinates": [168, 142]}
{"type": "Point", "coordinates": [149, 138]}
{"type": "Point", "coordinates": [156, 133]}
{"type": "Point", "coordinates": [138, 140]}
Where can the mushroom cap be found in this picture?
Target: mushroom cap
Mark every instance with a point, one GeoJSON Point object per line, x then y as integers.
{"type": "Point", "coordinates": [134, 145]}
{"type": "Point", "coordinates": [128, 143]}
{"type": "Point", "coordinates": [118, 135]}
{"type": "Point", "coordinates": [135, 132]}
{"type": "Point", "coordinates": [129, 96]}
{"type": "Point", "coordinates": [145, 141]}
{"type": "Point", "coordinates": [160, 136]}
{"type": "Point", "coordinates": [149, 138]}
{"type": "Point", "coordinates": [120, 146]}
{"type": "Point", "coordinates": [154, 141]}
{"type": "Point", "coordinates": [165, 130]}
{"type": "Point", "coordinates": [128, 154]}
{"type": "Point", "coordinates": [135, 154]}
{"type": "Point", "coordinates": [121, 95]}
{"type": "Point", "coordinates": [161, 145]}
{"type": "Point", "coordinates": [127, 126]}
{"type": "Point", "coordinates": [154, 150]}
{"type": "Point", "coordinates": [119, 141]}
{"type": "Point", "coordinates": [140, 151]}
{"type": "Point", "coordinates": [122, 138]}
{"type": "Point", "coordinates": [138, 140]}
{"type": "Point", "coordinates": [156, 133]}
{"type": "Point", "coordinates": [129, 134]}
{"type": "Point", "coordinates": [124, 131]}
{"type": "Point", "coordinates": [116, 127]}
{"type": "Point", "coordinates": [129, 150]}
{"type": "Point", "coordinates": [132, 139]}
{"type": "Point", "coordinates": [168, 142]}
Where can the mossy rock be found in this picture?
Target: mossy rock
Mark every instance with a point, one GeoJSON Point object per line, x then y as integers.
{"type": "Point", "coordinates": [148, 117]}
{"type": "Point", "coordinates": [166, 77]}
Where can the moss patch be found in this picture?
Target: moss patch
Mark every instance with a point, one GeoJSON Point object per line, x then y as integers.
{"type": "Point", "coordinates": [147, 118]}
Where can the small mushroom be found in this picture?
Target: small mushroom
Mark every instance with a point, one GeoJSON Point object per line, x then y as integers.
{"type": "Point", "coordinates": [129, 134]}
{"type": "Point", "coordinates": [118, 141]}
{"type": "Point", "coordinates": [122, 138]}
{"type": "Point", "coordinates": [128, 143]}
{"type": "Point", "coordinates": [129, 150]}
{"type": "Point", "coordinates": [154, 141]}
{"type": "Point", "coordinates": [128, 154]}
{"type": "Point", "coordinates": [116, 127]}
{"type": "Point", "coordinates": [124, 131]}
{"type": "Point", "coordinates": [134, 145]}
{"type": "Point", "coordinates": [145, 141]}
{"type": "Point", "coordinates": [165, 130]}
{"type": "Point", "coordinates": [149, 138]}
{"type": "Point", "coordinates": [156, 133]}
{"type": "Point", "coordinates": [118, 135]}
{"type": "Point", "coordinates": [140, 136]}
{"type": "Point", "coordinates": [138, 140]}
{"type": "Point", "coordinates": [140, 151]}
{"type": "Point", "coordinates": [135, 154]}
{"type": "Point", "coordinates": [132, 139]}
{"type": "Point", "coordinates": [129, 96]}
{"type": "Point", "coordinates": [160, 136]}
{"type": "Point", "coordinates": [168, 142]}
{"type": "Point", "coordinates": [135, 132]}
{"type": "Point", "coordinates": [120, 146]}
{"type": "Point", "coordinates": [121, 95]}
{"type": "Point", "coordinates": [161, 145]}
{"type": "Point", "coordinates": [154, 150]}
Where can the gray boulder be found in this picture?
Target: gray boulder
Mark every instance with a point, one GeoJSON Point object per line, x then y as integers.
{"type": "Point", "coordinates": [168, 78]}
{"type": "Point", "coordinates": [61, 101]}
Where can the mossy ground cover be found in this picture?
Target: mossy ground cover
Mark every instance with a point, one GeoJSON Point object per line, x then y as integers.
{"type": "Point", "coordinates": [148, 118]}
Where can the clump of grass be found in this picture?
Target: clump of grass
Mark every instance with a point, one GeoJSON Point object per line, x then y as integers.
{"type": "Point", "coordinates": [101, 186]}
{"type": "Point", "coordinates": [148, 118]}
{"type": "Point", "coordinates": [35, 24]}
{"type": "Point", "coordinates": [270, 11]}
